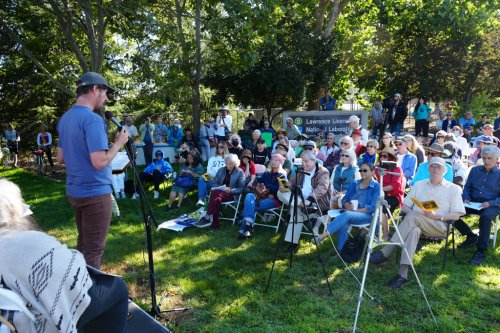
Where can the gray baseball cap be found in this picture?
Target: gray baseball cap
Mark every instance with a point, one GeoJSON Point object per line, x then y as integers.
{"type": "Point", "coordinates": [91, 78]}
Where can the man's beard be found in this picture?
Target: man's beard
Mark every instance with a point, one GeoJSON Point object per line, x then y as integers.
{"type": "Point", "coordinates": [100, 110]}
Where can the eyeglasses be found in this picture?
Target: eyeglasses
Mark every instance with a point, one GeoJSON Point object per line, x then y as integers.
{"type": "Point", "coordinates": [433, 154]}
{"type": "Point", "coordinates": [308, 148]}
{"type": "Point", "coordinates": [440, 137]}
{"type": "Point", "coordinates": [344, 143]}
{"type": "Point", "coordinates": [370, 146]}
{"type": "Point", "coordinates": [343, 155]}
{"type": "Point", "coordinates": [399, 144]}
{"type": "Point", "coordinates": [364, 170]}
{"type": "Point", "coordinates": [384, 156]}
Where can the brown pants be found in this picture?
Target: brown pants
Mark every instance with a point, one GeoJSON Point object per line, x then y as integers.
{"type": "Point", "coordinates": [93, 216]}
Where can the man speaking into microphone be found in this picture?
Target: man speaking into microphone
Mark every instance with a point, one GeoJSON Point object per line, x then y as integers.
{"type": "Point", "coordinates": [83, 147]}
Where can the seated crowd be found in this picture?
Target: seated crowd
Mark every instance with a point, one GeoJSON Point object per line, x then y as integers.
{"type": "Point", "coordinates": [257, 167]}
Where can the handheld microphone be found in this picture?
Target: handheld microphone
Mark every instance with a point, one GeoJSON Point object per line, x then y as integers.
{"type": "Point", "coordinates": [109, 116]}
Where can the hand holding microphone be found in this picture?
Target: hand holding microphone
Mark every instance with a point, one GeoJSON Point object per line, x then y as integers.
{"type": "Point", "coordinates": [121, 137]}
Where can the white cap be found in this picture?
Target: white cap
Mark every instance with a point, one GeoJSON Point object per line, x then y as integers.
{"type": "Point", "coordinates": [397, 95]}
{"type": "Point", "coordinates": [225, 107]}
{"type": "Point", "coordinates": [353, 118]}
{"type": "Point", "coordinates": [437, 160]}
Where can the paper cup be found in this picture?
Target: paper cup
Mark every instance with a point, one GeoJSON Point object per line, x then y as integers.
{"type": "Point", "coordinates": [354, 204]}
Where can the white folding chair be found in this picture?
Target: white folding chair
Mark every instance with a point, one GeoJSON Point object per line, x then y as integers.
{"type": "Point", "coordinates": [274, 212]}
{"type": "Point", "coordinates": [234, 205]}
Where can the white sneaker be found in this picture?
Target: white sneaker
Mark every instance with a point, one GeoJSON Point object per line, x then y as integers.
{"type": "Point", "coordinates": [124, 196]}
{"type": "Point", "coordinates": [157, 195]}
{"type": "Point", "coordinates": [200, 203]}
{"type": "Point", "coordinates": [135, 196]}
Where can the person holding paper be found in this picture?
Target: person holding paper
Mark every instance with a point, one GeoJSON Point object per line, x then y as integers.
{"type": "Point", "coordinates": [206, 181]}
{"type": "Point", "coordinates": [483, 188]}
{"type": "Point", "coordinates": [231, 177]}
{"type": "Point", "coordinates": [315, 186]}
{"type": "Point", "coordinates": [252, 203]}
{"type": "Point", "coordinates": [417, 222]}
{"type": "Point", "coordinates": [358, 204]}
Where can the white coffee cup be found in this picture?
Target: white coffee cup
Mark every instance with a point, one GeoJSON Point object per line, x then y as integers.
{"type": "Point", "coordinates": [354, 204]}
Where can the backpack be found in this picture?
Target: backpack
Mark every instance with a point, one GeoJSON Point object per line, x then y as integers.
{"type": "Point", "coordinates": [353, 248]}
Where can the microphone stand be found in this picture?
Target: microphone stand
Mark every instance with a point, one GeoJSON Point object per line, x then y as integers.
{"type": "Point", "coordinates": [147, 216]}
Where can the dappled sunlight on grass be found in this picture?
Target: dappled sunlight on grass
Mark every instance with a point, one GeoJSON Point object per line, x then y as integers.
{"type": "Point", "coordinates": [224, 279]}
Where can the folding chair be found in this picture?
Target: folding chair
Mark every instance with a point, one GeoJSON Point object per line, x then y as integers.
{"type": "Point", "coordinates": [275, 212]}
{"type": "Point", "coordinates": [450, 229]}
{"type": "Point", "coordinates": [495, 232]}
{"type": "Point", "coordinates": [234, 205]}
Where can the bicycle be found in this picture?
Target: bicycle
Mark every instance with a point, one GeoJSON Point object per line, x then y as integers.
{"type": "Point", "coordinates": [39, 164]}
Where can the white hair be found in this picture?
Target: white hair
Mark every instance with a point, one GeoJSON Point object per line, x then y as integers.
{"type": "Point", "coordinates": [256, 132]}
{"type": "Point", "coordinates": [352, 155]}
{"type": "Point", "coordinates": [232, 158]}
{"type": "Point", "coordinates": [347, 138]}
{"type": "Point", "coordinates": [309, 155]}
{"type": "Point", "coordinates": [491, 149]}
{"type": "Point", "coordinates": [12, 209]}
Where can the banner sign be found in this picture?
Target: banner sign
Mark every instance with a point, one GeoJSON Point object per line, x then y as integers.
{"type": "Point", "coordinates": [310, 122]}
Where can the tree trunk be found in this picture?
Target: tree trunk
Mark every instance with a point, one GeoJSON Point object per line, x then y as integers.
{"type": "Point", "coordinates": [197, 77]}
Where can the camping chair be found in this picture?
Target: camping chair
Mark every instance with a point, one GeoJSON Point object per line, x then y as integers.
{"type": "Point", "coordinates": [233, 205]}
{"type": "Point", "coordinates": [270, 213]}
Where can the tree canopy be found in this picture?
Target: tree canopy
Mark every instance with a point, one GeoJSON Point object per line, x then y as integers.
{"type": "Point", "coordinates": [185, 57]}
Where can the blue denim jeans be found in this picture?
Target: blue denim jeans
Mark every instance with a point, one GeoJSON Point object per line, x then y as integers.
{"type": "Point", "coordinates": [250, 207]}
{"type": "Point", "coordinates": [204, 187]}
{"type": "Point", "coordinates": [396, 128]}
{"type": "Point", "coordinates": [205, 149]}
{"type": "Point", "coordinates": [341, 224]}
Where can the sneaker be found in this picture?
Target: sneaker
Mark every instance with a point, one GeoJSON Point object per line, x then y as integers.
{"type": "Point", "coordinates": [478, 258]}
{"type": "Point", "coordinates": [117, 195]}
{"type": "Point", "coordinates": [247, 232]}
{"type": "Point", "coordinates": [156, 195]}
{"type": "Point", "coordinates": [397, 281]}
{"type": "Point", "coordinates": [200, 203]}
{"type": "Point", "coordinates": [123, 195]}
{"type": "Point", "coordinates": [135, 196]}
{"type": "Point", "coordinates": [204, 222]}
{"type": "Point", "coordinates": [468, 242]}
{"type": "Point", "coordinates": [377, 258]}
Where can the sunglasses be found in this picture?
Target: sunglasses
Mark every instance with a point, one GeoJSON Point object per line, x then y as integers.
{"type": "Point", "coordinates": [440, 137]}
{"type": "Point", "coordinates": [345, 155]}
{"type": "Point", "coordinates": [384, 156]}
{"type": "Point", "coordinates": [370, 146]}
{"type": "Point", "coordinates": [399, 144]}
{"type": "Point", "coordinates": [433, 154]}
{"type": "Point", "coordinates": [364, 170]}
{"type": "Point", "coordinates": [344, 143]}
{"type": "Point", "coordinates": [308, 148]}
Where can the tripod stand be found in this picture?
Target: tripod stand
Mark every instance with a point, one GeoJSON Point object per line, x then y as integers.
{"type": "Point", "coordinates": [147, 216]}
{"type": "Point", "coordinates": [296, 192]}
{"type": "Point", "coordinates": [376, 223]}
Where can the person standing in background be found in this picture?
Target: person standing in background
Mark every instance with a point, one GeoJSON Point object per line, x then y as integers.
{"type": "Point", "coordinates": [13, 139]}
{"type": "Point", "coordinates": [377, 115]}
{"type": "Point", "coordinates": [147, 130]}
{"type": "Point", "coordinates": [44, 142]}
{"type": "Point", "coordinates": [83, 148]}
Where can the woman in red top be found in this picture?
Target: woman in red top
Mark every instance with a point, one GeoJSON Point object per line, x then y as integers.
{"type": "Point", "coordinates": [393, 186]}
{"type": "Point", "coordinates": [248, 167]}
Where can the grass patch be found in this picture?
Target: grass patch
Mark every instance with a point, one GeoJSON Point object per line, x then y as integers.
{"type": "Point", "coordinates": [224, 279]}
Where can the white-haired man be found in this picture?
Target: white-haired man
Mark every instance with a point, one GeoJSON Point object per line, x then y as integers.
{"type": "Point", "coordinates": [354, 124]}
{"type": "Point", "coordinates": [292, 131]}
{"type": "Point", "coordinates": [417, 222]}
{"type": "Point", "coordinates": [483, 187]}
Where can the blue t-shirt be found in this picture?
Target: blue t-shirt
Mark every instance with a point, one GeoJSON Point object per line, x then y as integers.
{"type": "Point", "coordinates": [81, 132]}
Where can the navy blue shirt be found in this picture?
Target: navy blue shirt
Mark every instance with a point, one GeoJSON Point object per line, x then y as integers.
{"type": "Point", "coordinates": [483, 186]}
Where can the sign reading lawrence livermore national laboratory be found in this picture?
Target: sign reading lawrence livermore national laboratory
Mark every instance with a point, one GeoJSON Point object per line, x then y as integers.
{"type": "Point", "coordinates": [310, 122]}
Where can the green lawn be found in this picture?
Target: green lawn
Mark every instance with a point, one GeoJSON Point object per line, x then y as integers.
{"type": "Point", "coordinates": [223, 279]}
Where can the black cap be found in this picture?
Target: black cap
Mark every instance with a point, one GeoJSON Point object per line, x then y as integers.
{"type": "Point", "coordinates": [91, 78]}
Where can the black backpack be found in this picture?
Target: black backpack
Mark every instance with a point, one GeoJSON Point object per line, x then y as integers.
{"type": "Point", "coordinates": [353, 248]}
